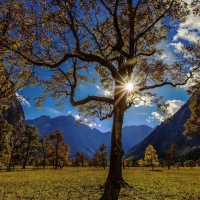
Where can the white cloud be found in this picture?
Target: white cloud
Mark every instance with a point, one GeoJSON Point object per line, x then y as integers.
{"type": "Point", "coordinates": [92, 124]}
{"type": "Point", "coordinates": [77, 117]}
{"type": "Point", "coordinates": [168, 57]}
{"type": "Point", "coordinates": [22, 100]}
{"type": "Point", "coordinates": [174, 106]}
{"type": "Point", "coordinates": [105, 92]}
{"type": "Point", "coordinates": [163, 56]}
{"type": "Point", "coordinates": [143, 101]}
{"type": "Point", "coordinates": [98, 87]}
{"type": "Point", "coordinates": [195, 79]}
{"type": "Point", "coordinates": [155, 116]}
{"type": "Point", "coordinates": [142, 113]}
{"type": "Point", "coordinates": [186, 34]}
{"type": "Point", "coordinates": [190, 29]}
{"type": "Point", "coordinates": [178, 46]}
{"type": "Point", "coordinates": [52, 111]}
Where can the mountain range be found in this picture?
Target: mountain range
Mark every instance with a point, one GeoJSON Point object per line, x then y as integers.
{"type": "Point", "coordinates": [84, 138]}
{"type": "Point", "coordinates": [167, 134]}
{"type": "Point", "coordinates": [135, 139]}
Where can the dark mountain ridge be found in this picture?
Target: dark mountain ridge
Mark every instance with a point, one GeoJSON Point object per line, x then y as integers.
{"type": "Point", "coordinates": [167, 134]}
{"type": "Point", "coordinates": [83, 138]}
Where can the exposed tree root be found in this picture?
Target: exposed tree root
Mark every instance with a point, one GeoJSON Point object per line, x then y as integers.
{"type": "Point", "coordinates": [123, 184]}
{"type": "Point", "coordinates": [111, 191]}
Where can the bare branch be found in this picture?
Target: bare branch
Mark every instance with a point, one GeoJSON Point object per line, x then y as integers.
{"type": "Point", "coordinates": [146, 54]}
{"type": "Point", "coordinates": [91, 98]}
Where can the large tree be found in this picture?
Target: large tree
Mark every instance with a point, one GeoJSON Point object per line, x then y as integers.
{"type": "Point", "coordinates": [14, 74]}
{"type": "Point", "coordinates": [112, 43]}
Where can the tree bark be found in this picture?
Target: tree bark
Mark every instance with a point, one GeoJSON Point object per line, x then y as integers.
{"type": "Point", "coordinates": [26, 156]}
{"type": "Point", "coordinates": [56, 167]}
{"type": "Point", "coordinates": [25, 160]}
{"type": "Point", "coordinates": [11, 158]}
{"type": "Point", "coordinates": [114, 180]}
{"type": "Point", "coordinates": [44, 161]}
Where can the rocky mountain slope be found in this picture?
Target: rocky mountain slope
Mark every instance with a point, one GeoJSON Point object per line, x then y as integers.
{"type": "Point", "coordinates": [15, 114]}
{"type": "Point", "coordinates": [167, 134]}
{"type": "Point", "coordinates": [83, 138]}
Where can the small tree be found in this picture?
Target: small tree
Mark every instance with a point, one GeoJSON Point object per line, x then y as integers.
{"type": "Point", "coordinates": [96, 159]}
{"type": "Point", "coordinates": [141, 163]}
{"type": "Point", "coordinates": [128, 162]}
{"type": "Point", "coordinates": [83, 159]}
{"type": "Point", "coordinates": [45, 149]}
{"type": "Point", "coordinates": [5, 132]}
{"type": "Point", "coordinates": [170, 154]}
{"type": "Point", "coordinates": [60, 150]}
{"type": "Point", "coordinates": [103, 155]}
{"type": "Point", "coordinates": [29, 144]}
{"type": "Point", "coordinates": [77, 158]}
{"type": "Point", "coordinates": [198, 162]}
{"type": "Point", "coordinates": [189, 163]}
{"type": "Point", "coordinates": [177, 165]}
{"type": "Point", "coordinates": [151, 158]}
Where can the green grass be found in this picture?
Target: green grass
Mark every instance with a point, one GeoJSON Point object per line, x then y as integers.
{"type": "Point", "coordinates": [84, 184]}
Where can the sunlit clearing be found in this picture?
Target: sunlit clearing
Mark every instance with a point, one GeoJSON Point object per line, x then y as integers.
{"type": "Point", "coordinates": [129, 86]}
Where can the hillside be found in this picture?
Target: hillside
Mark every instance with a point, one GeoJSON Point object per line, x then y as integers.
{"type": "Point", "coordinates": [167, 134]}
{"type": "Point", "coordinates": [83, 138]}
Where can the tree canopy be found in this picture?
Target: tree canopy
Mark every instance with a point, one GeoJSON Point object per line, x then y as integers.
{"type": "Point", "coordinates": [114, 43]}
{"type": "Point", "coordinates": [115, 40]}
{"type": "Point", "coordinates": [192, 126]}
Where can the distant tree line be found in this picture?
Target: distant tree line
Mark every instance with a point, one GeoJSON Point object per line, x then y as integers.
{"type": "Point", "coordinates": [17, 148]}
{"type": "Point", "coordinates": [28, 148]}
{"type": "Point", "coordinates": [170, 158]}
{"type": "Point", "coordinates": [99, 159]}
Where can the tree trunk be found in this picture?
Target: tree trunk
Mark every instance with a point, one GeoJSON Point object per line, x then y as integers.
{"type": "Point", "coordinates": [26, 158]}
{"type": "Point", "coordinates": [56, 166]}
{"type": "Point", "coordinates": [24, 164]}
{"type": "Point", "coordinates": [44, 161]}
{"type": "Point", "coordinates": [10, 161]}
{"type": "Point", "coordinates": [114, 180]}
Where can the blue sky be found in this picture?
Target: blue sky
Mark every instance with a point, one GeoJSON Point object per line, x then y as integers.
{"type": "Point", "coordinates": [188, 31]}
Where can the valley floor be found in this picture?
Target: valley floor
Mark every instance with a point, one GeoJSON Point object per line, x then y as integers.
{"type": "Point", "coordinates": [73, 183]}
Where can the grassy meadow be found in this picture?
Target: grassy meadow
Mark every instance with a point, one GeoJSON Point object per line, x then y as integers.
{"type": "Point", "coordinates": [85, 184]}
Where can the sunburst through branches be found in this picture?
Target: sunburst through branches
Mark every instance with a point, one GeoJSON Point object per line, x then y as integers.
{"type": "Point", "coordinates": [126, 88]}
{"type": "Point", "coordinates": [129, 86]}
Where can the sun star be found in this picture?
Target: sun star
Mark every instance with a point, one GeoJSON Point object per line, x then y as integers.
{"type": "Point", "coordinates": [129, 86]}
